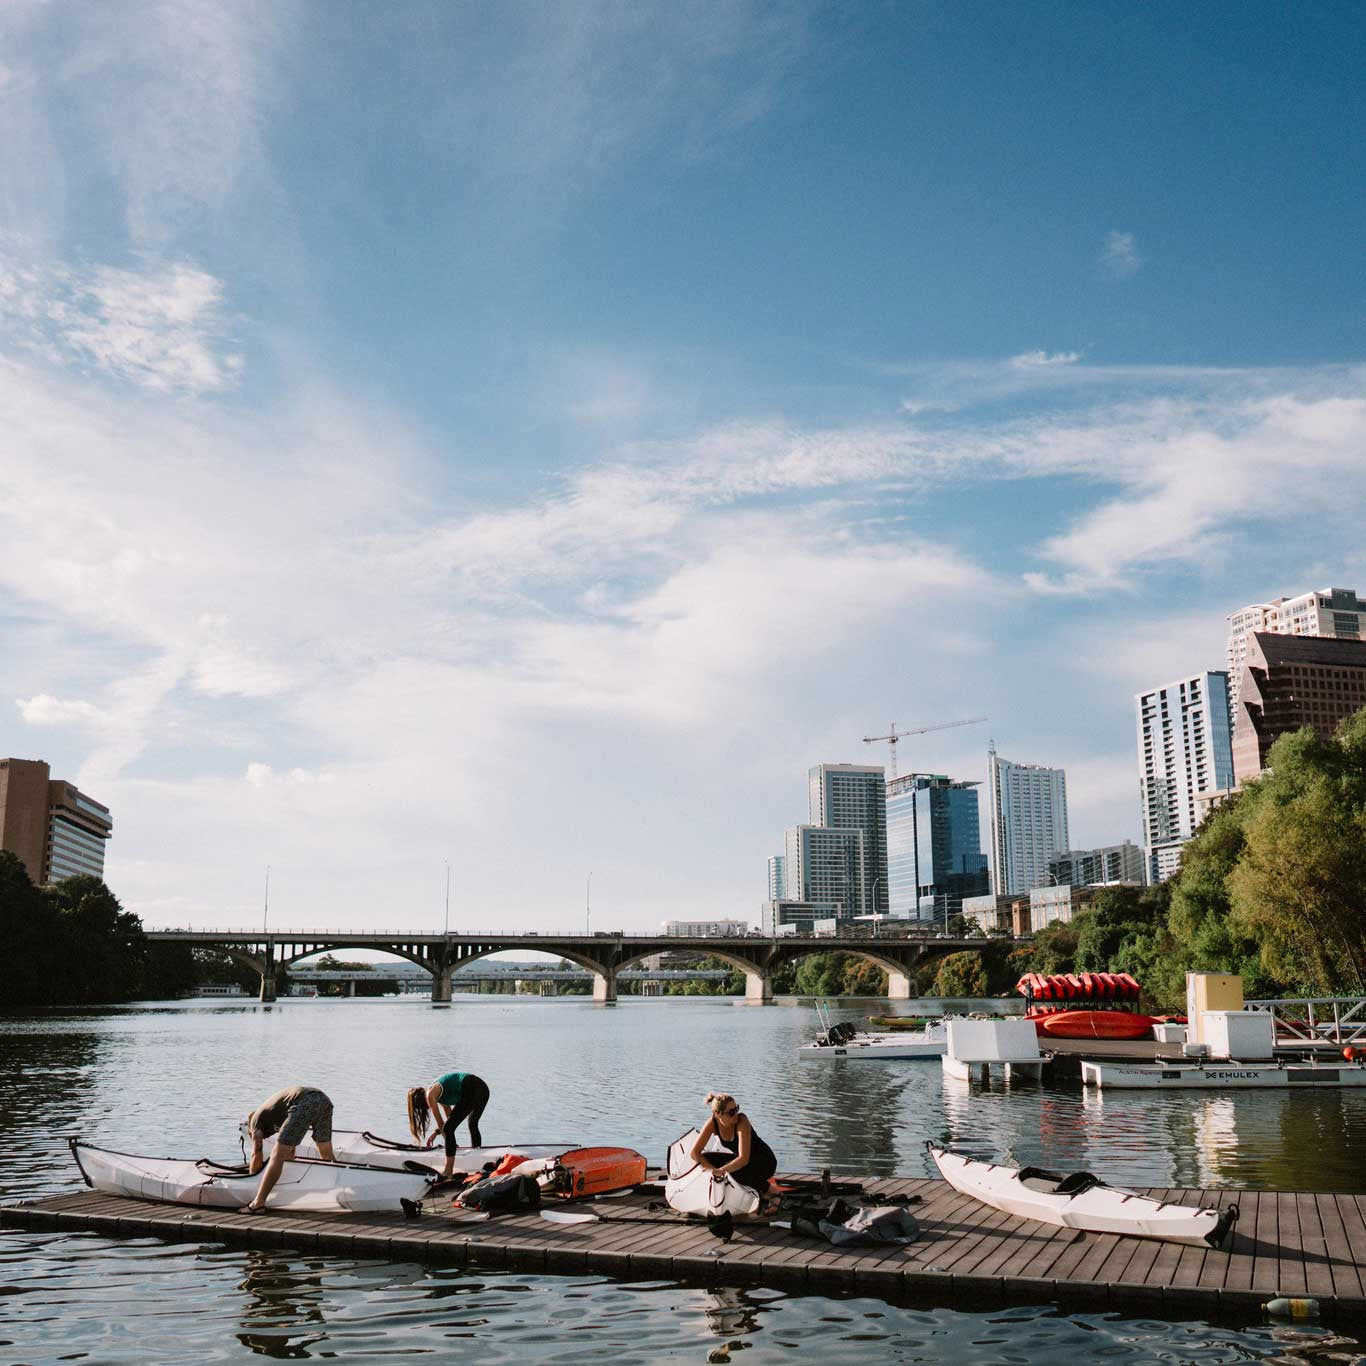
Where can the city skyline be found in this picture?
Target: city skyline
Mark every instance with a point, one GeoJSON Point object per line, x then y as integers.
{"type": "Point", "coordinates": [507, 438]}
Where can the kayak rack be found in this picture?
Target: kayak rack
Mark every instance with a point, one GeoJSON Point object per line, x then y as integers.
{"type": "Point", "coordinates": [1290, 1244]}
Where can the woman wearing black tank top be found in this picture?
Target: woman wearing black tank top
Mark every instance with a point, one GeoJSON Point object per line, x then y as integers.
{"type": "Point", "coordinates": [751, 1161]}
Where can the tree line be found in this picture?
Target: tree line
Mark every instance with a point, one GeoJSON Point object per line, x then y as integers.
{"type": "Point", "coordinates": [73, 944]}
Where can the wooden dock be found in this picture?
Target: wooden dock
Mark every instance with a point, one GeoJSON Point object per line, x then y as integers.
{"type": "Point", "coordinates": [1292, 1244]}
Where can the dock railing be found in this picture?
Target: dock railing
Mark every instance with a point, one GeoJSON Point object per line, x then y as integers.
{"type": "Point", "coordinates": [1336, 1020]}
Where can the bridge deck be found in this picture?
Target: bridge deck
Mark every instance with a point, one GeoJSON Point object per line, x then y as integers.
{"type": "Point", "coordinates": [1286, 1243]}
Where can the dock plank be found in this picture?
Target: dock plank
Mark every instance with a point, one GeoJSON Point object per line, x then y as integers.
{"type": "Point", "coordinates": [1288, 1242]}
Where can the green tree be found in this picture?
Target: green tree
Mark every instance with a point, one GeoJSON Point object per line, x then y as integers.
{"type": "Point", "coordinates": [103, 944]}
{"type": "Point", "coordinates": [961, 974]}
{"type": "Point", "coordinates": [1299, 886]}
{"type": "Point", "coordinates": [863, 978]}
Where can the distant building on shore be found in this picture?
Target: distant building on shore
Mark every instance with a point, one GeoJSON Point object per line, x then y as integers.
{"type": "Point", "coordinates": [851, 797]}
{"type": "Point", "coordinates": [934, 846]}
{"type": "Point", "coordinates": [1289, 682]}
{"type": "Point", "coordinates": [54, 828]}
{"type": "Point", "coordinates": [1027, 810]}
{"type": "Point", "coordinates": [1088, 867]}
{"type": "Point", "coordinates": [790, 916]}
{"type": "Point", "coordinates": [1184, 750]}
{"type": "Point", "coordinates": [1338, 613]}
{"type": "Point", "coordinates": [1062, 904]}
{"type": "Point", "coordinates": [704, 929]}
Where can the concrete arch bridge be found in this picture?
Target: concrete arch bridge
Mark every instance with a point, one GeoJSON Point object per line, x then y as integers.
{"type": "Point", "coordinates": [603, 955]}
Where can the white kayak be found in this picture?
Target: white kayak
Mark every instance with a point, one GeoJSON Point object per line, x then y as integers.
{"type": "Point", "coordinates": [695, 1188]}
{"type": "Point", "coordinates": [1081, 1201]}
{"type": "Point", "coordinates": [348, 1145]}
{"type": "Point", "coordinates": [307, 1187]}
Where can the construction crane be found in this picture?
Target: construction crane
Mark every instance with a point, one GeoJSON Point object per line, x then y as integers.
{"type": "Point", "coordinates": [917, 730]}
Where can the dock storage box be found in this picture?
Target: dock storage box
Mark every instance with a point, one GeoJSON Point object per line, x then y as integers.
{"type": "Point", "coordinates": [1169, 1033]}
{"type": "Point", "coordinates": [1210, 991]}
{"type": "Point", "coordinates": [1248, 1035]}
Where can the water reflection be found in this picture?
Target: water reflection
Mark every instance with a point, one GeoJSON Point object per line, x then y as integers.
{"type": "Point", "coordinates": [284, 1301]}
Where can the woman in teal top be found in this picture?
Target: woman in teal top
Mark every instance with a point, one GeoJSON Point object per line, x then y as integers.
{"type": "Point", "coordinates": [449, 1100]}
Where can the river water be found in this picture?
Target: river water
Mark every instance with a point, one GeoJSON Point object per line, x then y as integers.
{"type": "Point", "coordinates": [176, 1079]}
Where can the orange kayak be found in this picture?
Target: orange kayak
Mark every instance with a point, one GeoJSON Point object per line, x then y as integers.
{"type": "Point", "coordinates": [1094, 1024]}
{"type": "Point", "coordinates": [594, 1171]}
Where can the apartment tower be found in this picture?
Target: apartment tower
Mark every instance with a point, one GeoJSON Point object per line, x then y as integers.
{"type": "Point", "coordinates": [1184, 749]}
{"type": "Point", "coordinates": [853, 797]}
{"type": "Point", "coordinates": [1027, 810]}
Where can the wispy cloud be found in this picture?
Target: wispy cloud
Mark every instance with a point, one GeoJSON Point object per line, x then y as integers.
{"type": "Point", "coordinates": [162, 328]}
{"type": "Point", "coordinates": [1029, 360]}
{"type": "Point", "coordinates": [1120, 255]}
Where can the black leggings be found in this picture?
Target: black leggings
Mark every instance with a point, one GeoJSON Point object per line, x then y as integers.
{"type": "Point", "coordinates": [474, 1095]}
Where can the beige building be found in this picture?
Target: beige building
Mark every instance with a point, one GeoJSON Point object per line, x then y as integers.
{"type": "Point", "coordinates": [1336, 613]}
{"type": "Point", "coordinates": [54, 828]}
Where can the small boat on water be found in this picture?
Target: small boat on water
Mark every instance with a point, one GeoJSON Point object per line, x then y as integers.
{"type": "Point", "coordinates": [350, 1145]}
{"type": "Point", "coordinates": [1081, 1201]}
{"type": "Point", "coordinates": [304, 1186]}
{"type": "Point", "coordinates": [1167, 1076]}
{"type": "Point", "coordinates": [846, 1040]}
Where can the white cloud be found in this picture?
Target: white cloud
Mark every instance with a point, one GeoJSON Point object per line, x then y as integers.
{"type": "Point", "coordinates": [45, 710]}
{"type": "Point", "coordinates": [266, 604]}
{"type": "Point", "coordinates": [1034, 359]}
{"type": "Point", "coordinates": [1120, 255]}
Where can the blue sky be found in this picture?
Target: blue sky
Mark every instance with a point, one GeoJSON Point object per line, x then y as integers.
{"type": "Point", "coordinates": [529, 436]}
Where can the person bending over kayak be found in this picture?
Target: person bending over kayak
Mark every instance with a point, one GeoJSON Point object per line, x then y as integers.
{"type": "Point", "coordinates": [449, 1100]}
{"type": "Point", "coordinates": [751, 1161]}
{"type": "Point", "coordinates": [289, 1114]}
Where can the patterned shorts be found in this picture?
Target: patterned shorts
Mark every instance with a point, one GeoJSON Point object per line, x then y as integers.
{"type": "Point", "coordinates": [313, 1111]}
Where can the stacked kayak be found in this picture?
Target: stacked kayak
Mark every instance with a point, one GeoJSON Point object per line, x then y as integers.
{"type": "Point", "coordinates": [695, 1188]}
{"type": "Point", "coordinates": [1081, 1201]}
{"type": "Point", "coordinates": [304, 1186]}
{"type": "Point", "coordinates": [350, 1145]}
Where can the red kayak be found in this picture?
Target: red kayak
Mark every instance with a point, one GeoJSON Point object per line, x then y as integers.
{"type": "Point", "coordinates": [1094, 1024]}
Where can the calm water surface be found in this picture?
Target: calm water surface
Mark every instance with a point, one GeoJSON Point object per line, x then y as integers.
{"type": "Point", "coordinates": [177, 1078]}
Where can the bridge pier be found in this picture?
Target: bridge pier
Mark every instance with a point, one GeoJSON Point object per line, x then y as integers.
{"type": "Point", "coordinates": [898, 986]}
{"type": "Point", "coordinates": [605, 987]}
{"type": "Point", "coordinates": [441, 986]}
{"type": "Point", "coordinates": [758, 989]}
{"type": "Point", "coordinates": [267, 996]}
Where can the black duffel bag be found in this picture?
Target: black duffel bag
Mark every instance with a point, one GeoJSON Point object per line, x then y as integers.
{"type": "Point", "coordinates": [502, 1194]}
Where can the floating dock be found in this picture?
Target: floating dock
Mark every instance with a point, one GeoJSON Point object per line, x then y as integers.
{"type": "Point", "coordinates": [1285, 1244]}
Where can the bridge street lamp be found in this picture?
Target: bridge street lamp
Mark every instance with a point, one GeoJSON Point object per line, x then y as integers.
{"type": "Point", "coordinates": [876, 880]}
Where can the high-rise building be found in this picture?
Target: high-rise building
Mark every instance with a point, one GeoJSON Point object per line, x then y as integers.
{"type": "Point", "coordinates": [1289, 682]}
{"type": "Point", "coordinates": [825, 865]}
{"type": "Point", "coordinates": [1337, 613]}
{"type": "Point", "coordinates": [1184, 749]}
{"type": "Point", "coordinates": [777, 877]}
{"type": "Point", "coordinates": [934, 845]}
{"type": "Point", "coordinates": [1091, 867]}
{"type": "Point", "coordinates": [1027, 810]}
{"type": "Point", "coordinates": [852, 797]}
{"type": "Point", "coordinates": [50, 824]}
